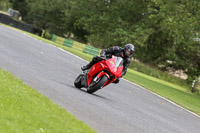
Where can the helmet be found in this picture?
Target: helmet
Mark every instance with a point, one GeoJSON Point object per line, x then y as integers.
{"type": "Point", "coordinates": [129, 49]}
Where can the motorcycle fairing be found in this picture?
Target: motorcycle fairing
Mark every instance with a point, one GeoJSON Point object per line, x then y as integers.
{"type": "Point", "coordinates": [101, 68]}
{"type": "Point", "coordinates": [111, 63]}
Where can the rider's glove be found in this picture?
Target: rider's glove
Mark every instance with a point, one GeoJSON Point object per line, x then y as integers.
{"type": "Point", "coordinates": [103, 56]}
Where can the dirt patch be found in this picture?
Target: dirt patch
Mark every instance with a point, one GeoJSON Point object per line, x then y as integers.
{"type": "Point", "coordinates": [178, 73]}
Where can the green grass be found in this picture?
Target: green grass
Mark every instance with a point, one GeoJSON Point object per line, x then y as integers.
{"type": "Point", "coordinates": [174, 92]}
{"type": "Point", "coordinates": [24, 110]}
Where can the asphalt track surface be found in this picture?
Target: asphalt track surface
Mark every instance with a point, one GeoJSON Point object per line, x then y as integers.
{"type": "Point", "coordinates": [121, 108]}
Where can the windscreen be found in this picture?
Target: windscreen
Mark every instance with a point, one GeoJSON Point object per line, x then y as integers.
{"type": "Point", "coordinates": [118, 61]}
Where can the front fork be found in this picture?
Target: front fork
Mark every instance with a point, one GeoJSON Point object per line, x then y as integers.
{"type": "Point", "coordinates": [98, 77]}
{"type": "Point", "coordinates": [84, 80]}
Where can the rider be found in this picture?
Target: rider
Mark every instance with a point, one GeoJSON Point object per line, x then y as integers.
{"type": "Point", "coordinates": [126, 53]}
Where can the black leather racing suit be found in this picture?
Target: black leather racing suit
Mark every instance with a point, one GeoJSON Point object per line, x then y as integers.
{"type": "Point", "coordinates": [116, 51]}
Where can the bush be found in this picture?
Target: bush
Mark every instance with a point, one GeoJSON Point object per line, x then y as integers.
{"type": "Point", "coordinates": [47, 35]}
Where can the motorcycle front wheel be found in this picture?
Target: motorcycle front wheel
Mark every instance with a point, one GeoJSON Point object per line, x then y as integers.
{"type": "Point", "coordinates": [97, 85]}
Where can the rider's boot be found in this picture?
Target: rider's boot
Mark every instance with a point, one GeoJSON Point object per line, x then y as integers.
{"type": "Point", "coordinates": [83, 68]}
{"type": "Point", "coordinates": [89, 65]}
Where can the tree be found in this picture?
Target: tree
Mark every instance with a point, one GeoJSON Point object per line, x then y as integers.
{"type": "Point", "coordinates": [4, 5]}
{"type": "Point", "coordinates": [21, 6]}
{"type": "Point", "coordinates": [174, 25]}
{"type": "Point", "coordinates": [109, 22]}
{"type": "Point", "coordinates": [48, 15]}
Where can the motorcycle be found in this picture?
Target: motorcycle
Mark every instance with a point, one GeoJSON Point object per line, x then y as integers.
{"type": "Point", "coordinates": [100, 74]}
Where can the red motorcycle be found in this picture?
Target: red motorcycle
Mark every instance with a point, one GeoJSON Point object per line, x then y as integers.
{"type": "Point", "coordinates": [100, 74]}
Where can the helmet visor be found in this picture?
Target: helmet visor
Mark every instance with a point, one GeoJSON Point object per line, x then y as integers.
{"type": "Point", "coordinates": [129, 52]}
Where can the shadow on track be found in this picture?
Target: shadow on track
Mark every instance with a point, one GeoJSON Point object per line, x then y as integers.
{"type": "Point", "coordinates": [95, 95]}
{"type": "Point", "coordinates": [84, 90]}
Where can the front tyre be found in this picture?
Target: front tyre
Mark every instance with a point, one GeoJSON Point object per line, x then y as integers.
{"type": "Point", "coordinates": [77, 82]}
{"type": "Point", "coordinates": [98, 85]}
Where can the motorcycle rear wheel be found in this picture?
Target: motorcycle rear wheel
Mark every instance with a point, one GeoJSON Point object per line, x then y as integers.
{"type": "Point", "coordinates": [77, 82]}
{"type": "Point", "coordinates": [98, 85]}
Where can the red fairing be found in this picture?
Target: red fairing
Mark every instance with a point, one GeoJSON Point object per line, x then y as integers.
{"type": "Point", "coordinates": [101, 68]}
{"type": "Point", "coordinates": [96, 68]}
{"type": "Point", "coordinates": [103, 73]}
{"type": "Point", "coordinates": [113, 69]}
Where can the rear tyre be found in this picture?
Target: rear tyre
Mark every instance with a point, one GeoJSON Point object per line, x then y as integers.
{"type": "Point", "coordinates": [98, 85]}
{"type": "Point", "coordinates": [77, 82]}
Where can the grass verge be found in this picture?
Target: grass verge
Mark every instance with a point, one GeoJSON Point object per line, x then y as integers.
{"type": "Point", "coordinates": [178, 94]}
{"type": "Point", "coordinates": [24, 110]}
{"type": "Point", "coordinates": [154, 72]}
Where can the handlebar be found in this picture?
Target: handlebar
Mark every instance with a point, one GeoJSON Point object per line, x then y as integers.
{"type": "Point", "coordinates": [105, 57]}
